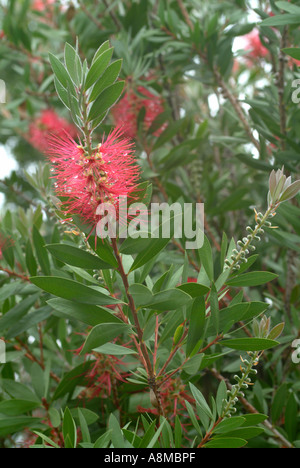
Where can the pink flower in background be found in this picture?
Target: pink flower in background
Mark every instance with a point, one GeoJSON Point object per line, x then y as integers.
{"type": "Point", "coordinates": [126, 111]}
{"type": "Point", "coordinates": [5, 242]}
{"type": "Point", "coordinates": [293, 61]}
{"type": "Point", "coordinates": [48, 122]}
{"type": "Point", "coordinates": [41, 5]}
{"type": "Point", "coordinates": [254, 46]}
{"type": "Point", "coordinates": [91, 179]}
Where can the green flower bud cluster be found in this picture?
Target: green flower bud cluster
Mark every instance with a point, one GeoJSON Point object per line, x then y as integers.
{"type": "Point", "coordinates": [281, 189]}
{"type": "Point", "coordinates": [242, 383]}
{"type": "Point", "coordinates": [245, 245]}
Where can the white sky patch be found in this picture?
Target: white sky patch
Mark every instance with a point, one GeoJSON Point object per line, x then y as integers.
{"type": "Point", "coordinates": [7, 165]}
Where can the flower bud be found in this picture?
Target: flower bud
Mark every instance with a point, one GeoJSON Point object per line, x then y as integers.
{"type": "Point", "coordinates": [178, 335]}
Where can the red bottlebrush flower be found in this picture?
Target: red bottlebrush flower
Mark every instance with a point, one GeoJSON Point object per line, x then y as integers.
{"type": "Point", "coordinates": [48, 122]}
{"type": "Point", "coordinates": [293, 61]}
{"type": "Point", "coordinates": [4, 243]}
{"type": "Point", "coordinates": [192, 280]}
{"type": "Point", "coordinates": [173, 396]}
{"type": "Point", "coordinates": [42, 5]}
{"type": "Point", "coordinates": [254, 46]}
{"type": "Point", "coordinates": [88, 180]}
{"type": "Point", "coordinates": [104, 376]}
{"type": "Point", "coordinates": [125, 112]}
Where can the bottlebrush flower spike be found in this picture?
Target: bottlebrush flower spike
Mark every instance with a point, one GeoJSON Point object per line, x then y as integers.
{"type": "Point", "coordinates": [254, 46]}
{"type": "Point", "coordinates": [126, 111]}
{"type": "Point", "coordinates": [41, 5]}
{"type": "Point", "coordinates": [48, 122]}
{"type": "Point", "coordinates": [88, 180]}
{"type": "Point", "coordinates": [4, 243]}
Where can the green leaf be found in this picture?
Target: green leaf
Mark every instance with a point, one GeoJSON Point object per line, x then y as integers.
{"type": "Point", "coordinates": [290, 192]}
{"type": "Point", "coordinates": [246, 432]}
{"type": "Point", "coordinates": [87, 313]}
{"type": "Point", "coordinates": [109, 77]}
{"type": "Point", "coordinates": [28, 321]}
{"type": "Point", "coordinates": [221, 396]}
{"type": "Point", "coordinates": [102, 333]}
{"type": "Point", "coordinates": [18, 391]}
{"type": "Point", "coordinates": [77, 257]}
{"type": "Point", "coordinates": [16, 407]}
{"type": "Point", "coordinates": [228, 424]}
{"type": "Point", "coordinates": [72, 290]}
{"type": "Point", "coordinates": [196, 326]}
{"type": "Point", "coordinates": [155, 246]}
{"type": "Point", "coordinates": [46, 439]}
{"type": "Point", "coordinates": [104, 251]}
{"type": "Point", "coordinates": [30, 260]}
{"type": "Point", "coordinates": [290, 417]}
{"type": "Point", "coordinates": [254, 419]}
{"type": "Point", "coordinates": [249, 344]}
{"type": "Point", "coordinates": [84, 427]}
{"type": "Point", "coordinates": [252, 162]}
{"type": "Point", "coordinates": [193, 418]}
{"type": "Point", "coordinates": [193, 364]}
{"type": "Point", "coordinates": [17, 312]}
{"type": "Point", "coordinates": [117, 437]}
{"type": "Point", "coordinates": [102, 48]}
{"type": "Point", "coordinates": [97, 68]}
{"type": "Point", "coordinates": [104, 440]}
{"type": "Point", "coordinates": [69, 430]}
{"type": "Point", "coordinates": [276, 331]}
{"type": "Point", "coordinates": [150, 432]}
{"type": "Point", "coordinates": [282, 20]}
{"type": "Point", "coordinates": [62, 92]}
{"type": "Point", "coordinates": [73, 64]}
{"type": "Point", "coordinates": [279, 402]}
{"type": "Point", "coordinates": [106, 100]}
{"type": "Point", "coordinates": [41, 252]}
{"type": "Point", "coordinates": [194, 289]}
{"type": "Point", "coordinates": [10, 425]}
{"type": "Point", "coordinates": [214, 308]}
{"type": "Point", "coordinates": [226, 442]}
{"type": "Point", "coordinates": [55, 416]}
{"type": "Point", "coordinates": [114, 350]}
{"type": "Point", "coordinates": [206, 257]}
{"type": "Point", "coordinates": [253, 278]}
{"type": "Point", "coordinates": [155, 437]}
{"type": "Point", "coordinates": [61, 73]}
{"type": "Point", "coordinates": [201, 400]}
{"type": "Point", "coordinates": [37, 379]}
{"type": "Point", "coordinates": [290, 8]}
{"type": "Point", "coordinates": [292, 52]}
{"type": "Point", "coordinates": [90, 416]}
{"type": "Point", "coordinates": [170, 299]}
{"type": "Point", "coordinates": [71, 379]}
{"type": "Point", "coordinates": [141, 294]}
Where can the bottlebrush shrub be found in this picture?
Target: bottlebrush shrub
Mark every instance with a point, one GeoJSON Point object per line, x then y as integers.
{"type": "Point", "coordinates": [116, 338]}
